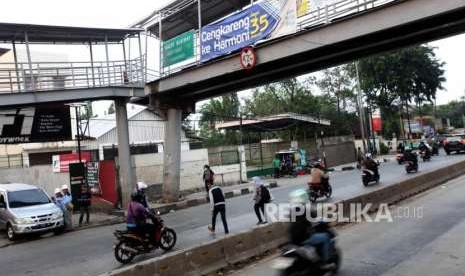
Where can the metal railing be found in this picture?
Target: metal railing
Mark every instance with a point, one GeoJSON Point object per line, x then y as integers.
{"type": "Point", "coordinates": [43, 76]}
{"type": "Point", "coordinates": [314, 18]}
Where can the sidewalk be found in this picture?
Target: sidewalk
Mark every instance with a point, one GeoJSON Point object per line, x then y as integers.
{"type": "Point", "coordinates": [199, 198]}
{"type": "Point", "coordinates": [96, 220]}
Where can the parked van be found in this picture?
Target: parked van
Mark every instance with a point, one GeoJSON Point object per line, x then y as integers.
{"type": "Point", "coordinates": [27, 209]}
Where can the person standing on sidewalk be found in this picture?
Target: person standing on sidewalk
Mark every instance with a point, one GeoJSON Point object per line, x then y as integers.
{"type": "Point", "coordinates": [208, 178]}
{"type": "Point", "coordinates": [84, 202]}
{"type": "Point", "coordinates": [218, 205]}
{"type": "Point", "coordinates": [262, 197]}
{"type": "Point", "coordinates": [67, 202]}
{"type": "Point", "coordinates": [277, 167]}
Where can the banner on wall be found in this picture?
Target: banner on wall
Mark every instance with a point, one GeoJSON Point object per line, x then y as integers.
{"type": "Point", "coordinates": [60, 163]}
{"type": "Point", "coordinates": [178, 49]}
{"type": "Point", "coordinates": [263, 20]}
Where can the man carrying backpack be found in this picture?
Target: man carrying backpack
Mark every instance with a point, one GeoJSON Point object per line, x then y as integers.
{"type": "Point", "coordinates": [262, 197]}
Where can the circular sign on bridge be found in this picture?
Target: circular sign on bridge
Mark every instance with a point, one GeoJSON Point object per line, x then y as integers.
{"type": "Point", "coordinates": [248, 58]}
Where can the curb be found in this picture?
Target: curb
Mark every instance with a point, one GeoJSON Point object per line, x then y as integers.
{"type": "Point", "coordinates": [165, 209]}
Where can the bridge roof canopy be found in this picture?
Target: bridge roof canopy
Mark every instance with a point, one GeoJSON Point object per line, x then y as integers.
{"type": "Point", "coordinates": [62, 34]}
{"type": "Point", "coordinates": [180, 16]}
{"type": "Point", "coordinates": [273, 122]}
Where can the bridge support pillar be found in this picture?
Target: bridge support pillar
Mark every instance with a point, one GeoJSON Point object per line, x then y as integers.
{"type": "Point", "coordinates": [172, 155]}
{"type": "Point", "coordinates": [127, 176]}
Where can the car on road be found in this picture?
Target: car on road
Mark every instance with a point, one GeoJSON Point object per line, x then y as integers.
{"type": "Point", "coordinates": [27, 209]}
{"type": "Point", "coordinates": [454, 143]}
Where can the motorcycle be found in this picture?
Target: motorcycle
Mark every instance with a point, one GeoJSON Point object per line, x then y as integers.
{"type": "Point", "coordinates": [400, 158]}
{"type": "Point", "coordinates": [411, 166]}
{"type": "Point", "coordinates": [425, 155]}
{"type": "Point", "coordinates": [322, 190]}
{"type": "Point", "coordinates": [128, 244]}
{"type": "Point", "coordinates": [369, 176]}
{"type": "Point", "coordinates": [304, 260]}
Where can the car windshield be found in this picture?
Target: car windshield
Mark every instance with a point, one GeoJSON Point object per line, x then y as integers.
{"type": "Point", "coordinates": [26, 198]}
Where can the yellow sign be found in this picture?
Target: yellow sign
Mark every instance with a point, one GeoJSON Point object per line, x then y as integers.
{"type": "Point", "coordinates": [302, 7]}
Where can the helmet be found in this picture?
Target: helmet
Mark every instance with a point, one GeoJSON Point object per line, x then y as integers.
{"type": "Point", "coordinates": [57, 191]}
{"type": "Point", "coordinates": [64, 187]}
{"type": "Point", "coordinates": [298, 196]}
{"type": "Point", "coordinates": [141, 186]}
{"type": "Point", "coordinates": [368, 156]}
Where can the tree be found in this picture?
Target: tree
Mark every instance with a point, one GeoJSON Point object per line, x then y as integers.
{"type": "Point", "coordinates": [337, 83]}
{"type": "Point", "coordinates": [224, 108]}
{"type": "Point", "coordinates": [392, 81]}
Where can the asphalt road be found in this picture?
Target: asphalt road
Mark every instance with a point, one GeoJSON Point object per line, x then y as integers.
{"type": "Point", "coordinates": [429, 244]}
{"type": "Point", "coordinates": [89, 252]}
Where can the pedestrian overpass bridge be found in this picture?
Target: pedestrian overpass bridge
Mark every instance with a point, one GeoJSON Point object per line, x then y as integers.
{"type": "Point", "coordinates": [339, 33]}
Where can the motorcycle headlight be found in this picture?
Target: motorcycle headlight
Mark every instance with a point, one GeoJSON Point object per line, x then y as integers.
{"type": "Point", "coordinates": [57, 215]}
{"type": "Point", "coordinates": [24, 220]}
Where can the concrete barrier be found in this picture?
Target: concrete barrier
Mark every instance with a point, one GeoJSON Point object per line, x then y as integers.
{"type": "Point", "coordinates": [219, 253]}
{"type": "Point", "coordinates": [213, 255]}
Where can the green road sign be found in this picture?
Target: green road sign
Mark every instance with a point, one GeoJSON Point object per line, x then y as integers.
{"type": "Point", "coordinates": [179, 48]}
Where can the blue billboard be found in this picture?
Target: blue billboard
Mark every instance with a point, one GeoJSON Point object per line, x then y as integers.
{"type": "Point", "coordinates": [246, 27]}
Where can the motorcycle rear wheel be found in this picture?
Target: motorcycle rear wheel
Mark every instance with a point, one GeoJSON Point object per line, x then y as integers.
{"type": "Point", "coordinates": [121, 254]}
{"type": "Point", "coordinates": [167, 239]}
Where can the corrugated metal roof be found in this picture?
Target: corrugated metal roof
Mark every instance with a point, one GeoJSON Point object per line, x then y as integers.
{"type": "Point", "coordinates": [104, 124]}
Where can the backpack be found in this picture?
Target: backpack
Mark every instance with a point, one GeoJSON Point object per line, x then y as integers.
{"type": "Point", "coordinates": [266, 195]}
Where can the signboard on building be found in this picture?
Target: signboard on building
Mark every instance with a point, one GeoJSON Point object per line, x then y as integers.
{"type": "Point", "coordinates": [178, 49]}
{"type": "Point", "coordinates": [77, 178]}
{"type": "Point", "coordinates": [302, 7]}
{"type": "Point", "coordinates": [62, 162]}
{"type": "Point", "coordinates": [263, 20]}
{"type": "Point", "coordinates": [30, 125]}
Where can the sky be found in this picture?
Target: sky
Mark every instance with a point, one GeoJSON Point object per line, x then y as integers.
{"type": "Point", "coordinates": [121, 14]}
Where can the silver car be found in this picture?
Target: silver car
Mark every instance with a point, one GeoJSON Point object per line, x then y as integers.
{"type": "Point", "coordinates": [27, 209]}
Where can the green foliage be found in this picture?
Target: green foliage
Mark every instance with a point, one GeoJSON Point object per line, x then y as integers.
{"type": "Point", "coordinates": [384, 149]}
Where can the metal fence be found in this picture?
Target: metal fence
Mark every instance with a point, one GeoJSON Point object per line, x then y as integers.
{"type": "Point", "coordinates": [12, 161]}
{"type": "Point", "coordinates": [223, 158]}
{"type": "Point", "coordinates": [42, 76]}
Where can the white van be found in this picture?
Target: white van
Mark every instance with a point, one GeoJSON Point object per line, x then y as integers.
{"type": "Point", "coordinates": [27, 209]}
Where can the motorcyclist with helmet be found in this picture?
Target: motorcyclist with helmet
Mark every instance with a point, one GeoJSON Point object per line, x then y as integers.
{"type": "Point", "coordinates": [137, 216]}
{"type": "Point", "coordinates": [304, 233]}
{"type": "Point", "coordinates": [424, 147]}
{"type": "Point", "coordinates": [371, 164]}
{"type": "Point", "coordinates": [141, 188]}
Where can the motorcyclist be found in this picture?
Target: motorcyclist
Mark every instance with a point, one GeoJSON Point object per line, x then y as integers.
{"type": "Point", "coordinates": [137, 216]}
{"type": "Point", "coordinates": [410, 156]}
{"type": "Point", "coordinates": [423, 147]}
{"type": "Point", "coordinates": [141, 188]}
{"type": "Point", "coordinates": [318, 178]}
{"type": "Point", "coordinates": [371, 164]}
{"type": "Point", "coordinates": [303, 232]}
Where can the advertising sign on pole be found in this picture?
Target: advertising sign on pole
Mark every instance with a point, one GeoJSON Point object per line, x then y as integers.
{"type": "Point", "coordinates": [178, 49]}
{"type": "Point", "coordinates": [29, 125]}
{"type": "Point", "coordinates": [263, 20]}
{"type": "Point", "coordinates": [93, 177]}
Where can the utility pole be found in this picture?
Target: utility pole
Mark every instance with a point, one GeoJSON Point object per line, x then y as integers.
{"type": "Point", "coordinates": [360, 109]}
{"type": "Point", "coordinates": [78, 135]}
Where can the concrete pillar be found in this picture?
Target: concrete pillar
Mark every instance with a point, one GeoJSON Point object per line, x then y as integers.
{"type": "Point", "coordinates": [126, 171]}
{"type": "Point", "coordinates": [172, 155]}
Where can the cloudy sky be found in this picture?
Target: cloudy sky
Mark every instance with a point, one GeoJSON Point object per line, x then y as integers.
{"type": "Point", "coordinates": [121, 13]}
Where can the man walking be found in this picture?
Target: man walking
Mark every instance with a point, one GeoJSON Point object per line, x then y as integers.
{"type": "Point", "coordinates": [262, 197]}
{"type": "Point", "coordinates": [277, 166]}
{"type": "Point", "coordinates": [84, 201]}
{"type": "Point", "coordinates": [218, 205]}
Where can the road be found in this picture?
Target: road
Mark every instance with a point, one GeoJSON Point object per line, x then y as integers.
{"type": "Point", "coordinates": [89, 252]}
{"type": "Point", "coordinates": [431, 244]}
